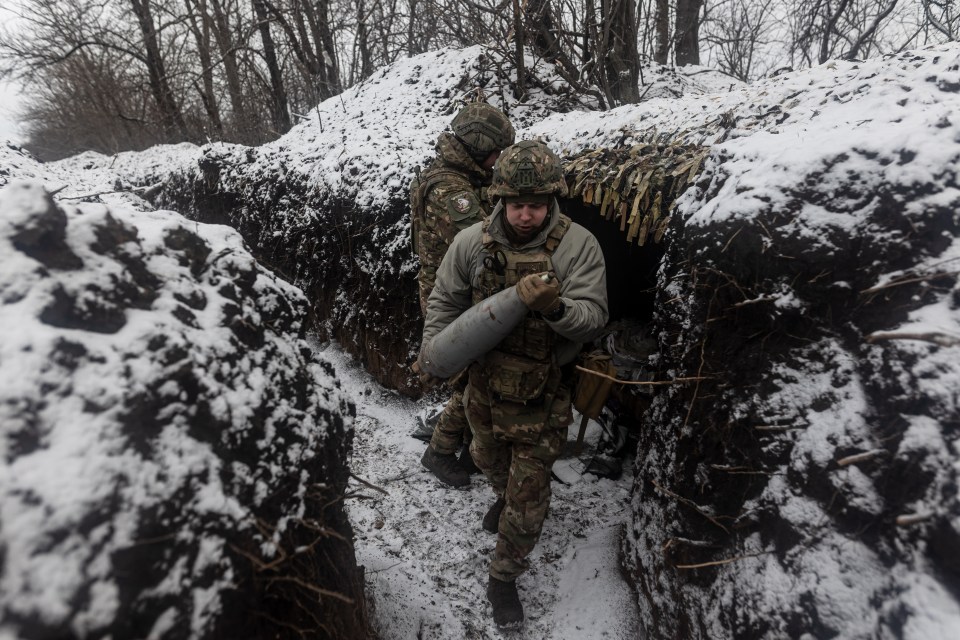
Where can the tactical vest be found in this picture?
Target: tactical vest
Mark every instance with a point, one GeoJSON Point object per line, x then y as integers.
{"type": "Point", "coordinates": [420, 187]}
{"type": "Point", "coordinates": [518, 369]}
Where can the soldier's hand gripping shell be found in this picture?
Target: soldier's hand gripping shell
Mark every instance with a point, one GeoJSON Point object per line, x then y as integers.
{"type": "Point", "coordinates": [427, 381]}
{"type": "Point", "coordinates": [537, 294]}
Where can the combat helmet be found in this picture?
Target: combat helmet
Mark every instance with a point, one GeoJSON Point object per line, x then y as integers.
{"type": "Point", "coordinates": [527, 168]}
{"type": "Point", "coordinates": [482, 129]}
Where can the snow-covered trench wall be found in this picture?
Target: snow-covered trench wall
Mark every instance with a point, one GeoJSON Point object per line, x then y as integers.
{"type": "Point", "coordinates": [347, 258]}
{"type": "Point", "coordinates": [806, 485]}
{"type": "Point", "coordinates": [172, 453]}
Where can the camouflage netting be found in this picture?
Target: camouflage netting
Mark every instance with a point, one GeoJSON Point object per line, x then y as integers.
{"type": "Point", "coordinates": [807, 485]}
{"type": "Point", "coordinates": [172, 455]}
{"type": "Point", "coordinates": [635, 187]}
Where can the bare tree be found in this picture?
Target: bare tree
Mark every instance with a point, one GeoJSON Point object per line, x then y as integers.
{"type": "Point", "coordinates": [199, 25]}
{"type": "Point", "coordinates": [943, 16]}
{"type": "Point", "coordinates": [171, 118]}
{"type": "Point", "coordinates": [686, 35]}
{"type": "Point", "coordinates": [222, 17]}
{"type": "Point", "coordinates": [278, 94]}
{"type": "Point", "coordinates": [735, 30]}
{"type": "Point", "coordinates": [622, 60]}
{"type": "Point", "coordinates": [661, 19]}
{"type": "Point", "coordinates": [845, 29]}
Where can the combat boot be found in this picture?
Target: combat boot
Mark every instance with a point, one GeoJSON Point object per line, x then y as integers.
{"type": "Point", "coordinates": [491, 521]}
{"type": "Point", "coordinates": [446, 467]}
{"type": "Point", "coordinates": [507, 609]}
{"type": "Point", "coordinates": [466, 461]}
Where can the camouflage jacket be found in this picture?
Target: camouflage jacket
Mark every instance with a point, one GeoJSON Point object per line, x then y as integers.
{"type": "Point", "coordinates": [577, 261]}
{"type": "Point", "coordinates": [449, 196]}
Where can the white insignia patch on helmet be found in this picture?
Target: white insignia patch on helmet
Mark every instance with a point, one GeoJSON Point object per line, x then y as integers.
{"type": "Point", "coordinates": [462, 204]}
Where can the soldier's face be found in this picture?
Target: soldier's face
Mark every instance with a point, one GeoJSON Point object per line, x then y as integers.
{"type": "Point", "coordinates": [491, 160]}
{"type": "Point", "coordinates": [526, 218]}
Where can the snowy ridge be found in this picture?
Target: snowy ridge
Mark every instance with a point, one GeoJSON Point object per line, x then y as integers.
{"type": "Point", "coordinates": [812, 279]}
{"type": "Point", "coordinates": [160, 416]}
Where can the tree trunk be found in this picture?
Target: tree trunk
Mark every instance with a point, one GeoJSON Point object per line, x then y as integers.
{"type": "Point", "coordinates": [622, 62]}
{"type": "Point", "coordinates": [829, 28]}
{"type": "Point", "coordinates": [661, 22]}
{"type": "Point", "coordinates": [318, 17]}
{"type": "Point", "coordinates": [687, 32]}
{"type": "Point", "coordinates": [540, 20]}
{"type": "Point", "coordinates": [201, 33]}
{"type": "Point", "coordinates": [518, 37]}
{"type": "Point", "coordinates": [278, 94]}
{"type": "Point", "coordinates": [413, 37]}
{"type": "Point", "coordinates": [171, 118]}
{"type": "Point", "coordinates": [240, 121]}
{"type": "Point", "coordinates": [590, 29]}
{"type": "Point", "coordinates": [363, 41]}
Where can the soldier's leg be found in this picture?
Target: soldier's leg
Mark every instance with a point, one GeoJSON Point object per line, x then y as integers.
{"type": "Point", "coordinates": [490, 454]}
{"type": "Point", "coordinates": [448, 434]}
{"type": "Point", "coordinates": [440, 456]}
{"type": "Point", "coordinates": [528, 493]}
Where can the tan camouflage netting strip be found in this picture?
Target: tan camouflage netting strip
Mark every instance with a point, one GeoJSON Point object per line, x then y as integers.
{"type": "Point", "coordinates": [636, 186]}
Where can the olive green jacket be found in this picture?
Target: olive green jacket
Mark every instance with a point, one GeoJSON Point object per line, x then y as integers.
{"type": "Point", "coordinates": [577, 261]}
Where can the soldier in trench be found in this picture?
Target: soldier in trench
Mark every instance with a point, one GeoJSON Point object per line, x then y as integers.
{"type": "Point", "coordinates": [450, 195]}
{"type": "Point", "coordinates": [518, 398]}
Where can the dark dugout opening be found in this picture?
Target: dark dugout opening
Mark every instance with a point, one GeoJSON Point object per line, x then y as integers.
{"type": "Point", "coordinates": [631, 292]}
{"type": "Point", "coordinates": [624, 196]}
{"type": "Point", "coordinates": [631, 268]}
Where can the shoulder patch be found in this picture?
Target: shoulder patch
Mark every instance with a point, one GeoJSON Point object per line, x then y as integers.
{"type": "Point", "coordinates": [462, 205]}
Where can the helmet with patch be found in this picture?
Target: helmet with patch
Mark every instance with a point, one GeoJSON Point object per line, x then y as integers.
{"type": "Point", "coordinates": [482, 129]}
{"type": "Point", "coordinates": [527, 168]}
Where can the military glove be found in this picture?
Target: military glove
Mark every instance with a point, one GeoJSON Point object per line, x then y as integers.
{"type": "Point", "coordinates": [537, 294]}
{"type": "Point", "coordinates": [427, 381]}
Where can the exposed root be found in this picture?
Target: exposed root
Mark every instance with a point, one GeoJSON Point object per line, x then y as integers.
{"type": "Point", "coordinates": [690, 503]}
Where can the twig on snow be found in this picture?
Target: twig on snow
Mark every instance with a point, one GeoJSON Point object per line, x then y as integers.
{"type": "Point", "coordinates": [716, 563]}
{"type": "Point", "coordinates": [696, 389]}
{"type": "Point", "coordinates": [936, 337]}
{"type": "Point", "coordinates": [907, 519]}
{"type": "Point", "coordinates": [690, 503]}
{"type": "Point", "coordinates": [897, 283]}
{"type": "Point", "coordinates": [369, 486]}
{"type": "Point", "coordinates": [859, 457]}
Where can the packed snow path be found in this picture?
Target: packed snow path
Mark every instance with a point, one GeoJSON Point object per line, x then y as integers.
{"type": "Point", "coordinates": [426, 556]}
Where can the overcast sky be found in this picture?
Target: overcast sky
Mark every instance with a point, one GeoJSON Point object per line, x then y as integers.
{"type": "Point", "coordinates": [9, 93]}
{"type": "Point", "coordinates": [9, 105]}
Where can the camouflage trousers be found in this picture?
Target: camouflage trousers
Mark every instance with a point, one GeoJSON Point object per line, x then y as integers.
{"type": "Point", "coordinates": [451, 430]}
{"type": "Point", "coordinates": [517, 462]}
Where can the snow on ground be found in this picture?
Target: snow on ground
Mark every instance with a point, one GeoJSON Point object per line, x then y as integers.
{"type": "Point", "coordinates": [426, 556]}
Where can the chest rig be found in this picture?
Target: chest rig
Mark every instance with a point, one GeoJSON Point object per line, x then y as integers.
{"type": "Point", "coordinates": [520, 365]}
